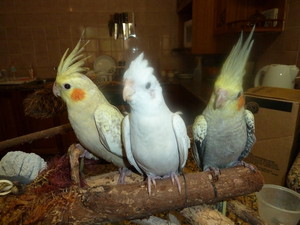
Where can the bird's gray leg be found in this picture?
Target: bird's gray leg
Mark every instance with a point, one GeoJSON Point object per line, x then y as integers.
{"type": "Point", "coordinates": [123, 173]}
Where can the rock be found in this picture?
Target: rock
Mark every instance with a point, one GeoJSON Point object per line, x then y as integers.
{"type": "Point", "coordinates": [20, 166]}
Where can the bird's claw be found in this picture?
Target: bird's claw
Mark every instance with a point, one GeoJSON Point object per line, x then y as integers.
{"type": "Point", "coordinates": [174, 179]}
{"type": "Point", "coordinates": [215, 172]}
{"type": "Point", "coordinates": [247, 165]}
{"type": "Point", "coordinates": [151, 180]}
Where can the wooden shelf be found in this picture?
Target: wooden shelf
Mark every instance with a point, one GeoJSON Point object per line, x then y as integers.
{"type": "Point", "coordinates": [246, 26]}
{"type": "Point", "coordinates": [215, 22]}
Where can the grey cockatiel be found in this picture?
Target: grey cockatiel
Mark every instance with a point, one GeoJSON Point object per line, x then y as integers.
{"type": "Point", "coordinates": [224, 134]}
{"type": "Point", "coordinates": [96, 123]}
{"type": "Point", "coordinates": [155, 138]}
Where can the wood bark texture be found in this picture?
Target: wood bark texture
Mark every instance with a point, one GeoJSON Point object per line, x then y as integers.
{"type": "Point", "coordinates": [74, 154]}
{"type": "Point", "coordinates": [245, 213]}
{"type": "Point", "coordinates": [103, 203]}
{"type": "Point", "coordinates": [205, 215]}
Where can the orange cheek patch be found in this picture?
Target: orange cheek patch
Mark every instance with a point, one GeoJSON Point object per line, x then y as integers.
{"type": "Point", "coordinates": [77, 95]}
{"type": "Point", "coordinates": [241, 102]}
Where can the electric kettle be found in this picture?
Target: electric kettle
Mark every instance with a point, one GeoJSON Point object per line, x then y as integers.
{"type": "Point", "coordinates": [276, 75]}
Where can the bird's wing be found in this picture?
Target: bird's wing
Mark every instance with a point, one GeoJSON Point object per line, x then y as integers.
{"type": "Point", "coordinates": [199, 133]}
{"type": "Point", "coordinates": [127, 143]}
{"type": "Point", "coordinates": [183, 140]}
{"type": "Point", "coordinates": [251, 139]}
{"type": "Point", "coordinates": [108, 120]}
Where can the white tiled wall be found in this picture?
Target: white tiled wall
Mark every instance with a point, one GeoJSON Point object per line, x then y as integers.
{"type": "Point", "coordinates": [37, 32]}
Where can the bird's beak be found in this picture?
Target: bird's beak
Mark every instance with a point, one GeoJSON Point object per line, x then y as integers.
{"type": "Point", "coordinates": [221, 97]}
{"type": "Point", "coordinates": [128, 90]}
{"type": "Point", "coordinates": [55, 90]}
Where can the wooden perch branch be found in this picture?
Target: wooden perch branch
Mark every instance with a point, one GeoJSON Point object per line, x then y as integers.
{"type": "Point", "coordinates": [131, 201]}
{"type": "Point", "coordinates": [205, 215]}
{"type": "Point", "coordinates": [245, 213]}
{"type": "Point", "coordinates": [35, 136]}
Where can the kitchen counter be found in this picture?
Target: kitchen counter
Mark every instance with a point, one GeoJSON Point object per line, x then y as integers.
{"type": "Point", "coordinates": [26, 86]}
{"type": "Point", "coordinates": [200, 89]}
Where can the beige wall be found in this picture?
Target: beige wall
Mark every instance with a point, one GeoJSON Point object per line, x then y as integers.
{"type": "Point", "coordinates": [37, 32]}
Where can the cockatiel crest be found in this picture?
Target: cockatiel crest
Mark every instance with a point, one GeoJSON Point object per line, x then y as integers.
{"type": "Point", "coordinates": [73, 64]}
{"type": "Point", "coordinates": [71, 84]}
{"type": "Point", "coordinates": [139, 68]}
{"type": "Point", "coordinates": [141, 76]}
{"type": "Point", "coordinates": [229, 83]}
{"type": "Point", "coordinates": [233, 69]}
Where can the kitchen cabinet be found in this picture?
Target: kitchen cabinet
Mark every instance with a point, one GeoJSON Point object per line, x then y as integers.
{"type": "Point", "coordinates": [203, 39]}
{"type": "Point", "coordinates": [216, 23]}
{"type": "Point", "coordinates": [202, 14]}
{"type": "Point", "coordinates": [184, 11]}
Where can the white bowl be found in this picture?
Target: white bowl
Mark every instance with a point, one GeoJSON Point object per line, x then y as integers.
{"type": "Point", "coordinates": [278, 205]}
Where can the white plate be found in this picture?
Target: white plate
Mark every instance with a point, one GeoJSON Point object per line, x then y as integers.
{"type": "Point", "coordinates": [105, 64]}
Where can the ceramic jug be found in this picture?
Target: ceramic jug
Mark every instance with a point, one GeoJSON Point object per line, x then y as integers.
{"type": "Point", "coordinates": [276, 75]}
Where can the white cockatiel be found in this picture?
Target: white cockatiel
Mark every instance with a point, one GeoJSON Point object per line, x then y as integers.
{"type": "Point", "coordinates": [155, 138]}
{"type": "Point", "coordinates": [224, 133]}
{"type": "Point", "coordinates": [96, 123]}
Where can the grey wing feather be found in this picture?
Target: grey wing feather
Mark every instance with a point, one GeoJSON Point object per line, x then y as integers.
{"type": "Point", "coordinates": [251, 139]}
{"type": "Point", "coordinates": [182, 138]}
{"type": "Point", "coordinates": [127, 143]}
{"type": "Point", "coordinates": [108, 120]}
{"type": "Point", "coordinates": [199, 133]}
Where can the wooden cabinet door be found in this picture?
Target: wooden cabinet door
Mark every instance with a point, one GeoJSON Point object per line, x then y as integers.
{"type": "Point", "coordinates": [203, 38]}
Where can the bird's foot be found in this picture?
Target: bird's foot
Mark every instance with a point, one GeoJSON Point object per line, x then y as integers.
{"type": "Point", "coordinates": [123, 173]}
{"type": "Point", "coordinates": [174, 179]}
{"type": "Point", "coordinates": [215, 172]}
{"type": "Point", "coordinates": [80, 147]}
{"type": "Point", "coordinates": [247, 165]}
{"type": "Point", "coordinates": [151, 180]}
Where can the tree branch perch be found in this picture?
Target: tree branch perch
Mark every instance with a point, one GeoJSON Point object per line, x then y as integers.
{"type": "Point", "coordinates": [35, 136]}
{"type": "Point", "coordinates": [103, 203]}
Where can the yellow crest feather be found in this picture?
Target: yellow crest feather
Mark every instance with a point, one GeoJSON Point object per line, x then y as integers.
{"type": "Point", "coordinates": [74, 62]}
{"type": "Point", "coordinates": [233, 70]}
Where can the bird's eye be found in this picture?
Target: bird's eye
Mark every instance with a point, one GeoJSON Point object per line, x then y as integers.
{"type": "Point", "coordinates": [148, 85]}
{"type": "Point", "coordinates": [67, 86]}
{"type": "Point", "coordinates": [239, 94]}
